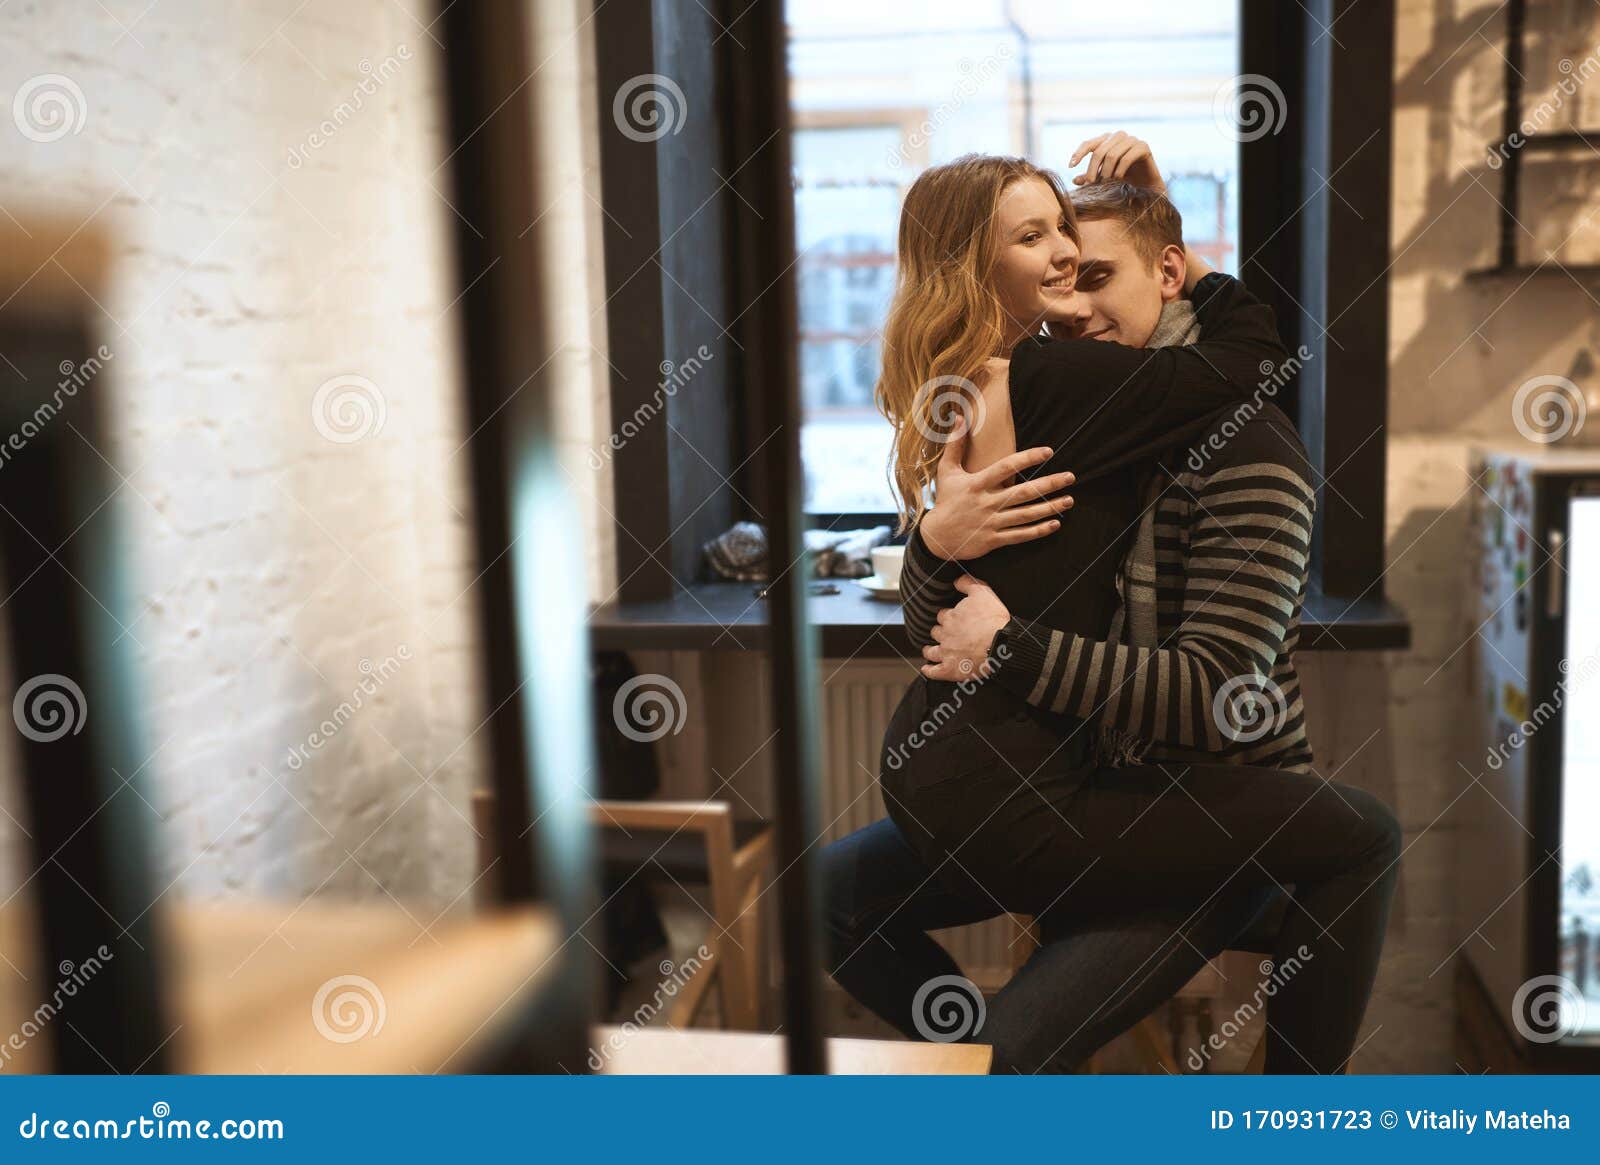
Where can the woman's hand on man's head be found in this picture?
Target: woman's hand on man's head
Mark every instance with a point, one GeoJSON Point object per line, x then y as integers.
{"type": "Point", "coordinates": [963, 633]}
{"type": "Point", "coordinates": [1119, 157]}
{"type": "Point", "coordinates": [975, 513]}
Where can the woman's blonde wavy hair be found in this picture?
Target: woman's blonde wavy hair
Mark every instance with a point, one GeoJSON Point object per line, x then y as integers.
{"type": "Point", "coordinates": [945, 320]}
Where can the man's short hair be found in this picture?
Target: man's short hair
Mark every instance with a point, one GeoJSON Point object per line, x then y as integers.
{"type": "Point", "coordinates": [1151, 221]}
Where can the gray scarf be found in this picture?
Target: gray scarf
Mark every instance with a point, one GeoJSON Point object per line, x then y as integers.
{"type": "Point", "coordinates": [1135, 621]}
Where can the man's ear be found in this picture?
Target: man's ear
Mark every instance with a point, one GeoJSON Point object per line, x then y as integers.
{"type": "Point", "coordinates": [1173, 269]}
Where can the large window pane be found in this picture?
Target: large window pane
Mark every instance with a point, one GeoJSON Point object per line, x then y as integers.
{"type": "Point", "coordinates": [880, 92]}
{"type": "Point", "coordinates": [847, 200]}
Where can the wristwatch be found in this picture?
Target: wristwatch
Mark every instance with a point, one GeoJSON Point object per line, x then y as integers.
{"type": "Point", "coordinates": [1000, 645]}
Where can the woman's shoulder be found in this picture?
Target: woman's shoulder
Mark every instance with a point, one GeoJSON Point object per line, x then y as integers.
{"type": "Point", "coordinates": [994, 433]}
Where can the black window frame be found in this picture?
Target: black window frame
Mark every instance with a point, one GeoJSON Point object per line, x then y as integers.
{"type": "Point", "coordinates": [1317, 253]}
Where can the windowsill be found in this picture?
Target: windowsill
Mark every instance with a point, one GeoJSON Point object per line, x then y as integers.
{"type": "Point", "coordinates": [727, 616]}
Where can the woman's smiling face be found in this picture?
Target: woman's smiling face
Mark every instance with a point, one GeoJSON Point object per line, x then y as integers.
{"type": "Point", "coordinates": [1036, 261]}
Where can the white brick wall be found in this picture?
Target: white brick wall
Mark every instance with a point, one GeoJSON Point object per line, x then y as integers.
{"type": "Point", "coordinates": [271, 561]}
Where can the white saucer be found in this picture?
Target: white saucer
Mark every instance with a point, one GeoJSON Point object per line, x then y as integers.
{"type": "Point", "coordinates": [878, 589]}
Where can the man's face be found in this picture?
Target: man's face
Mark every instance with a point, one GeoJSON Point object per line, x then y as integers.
{"type": "Point", "coordinates": [1124, 293]}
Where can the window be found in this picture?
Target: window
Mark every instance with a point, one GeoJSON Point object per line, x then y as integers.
{"type": "Point", "coordinates": [877, 97]}
{"type": "Point", "coordinates": [847, 203]}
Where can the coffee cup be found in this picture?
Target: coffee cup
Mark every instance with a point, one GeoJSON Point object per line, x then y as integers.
{"type": "Point", "coordinates": [886, 563]}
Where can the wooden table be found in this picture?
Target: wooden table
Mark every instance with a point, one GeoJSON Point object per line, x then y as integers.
{"type": "Point", "coordinates": [676, 1052]}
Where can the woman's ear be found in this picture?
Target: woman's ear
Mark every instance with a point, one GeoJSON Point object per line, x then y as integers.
{"type": "Point", "coordinates": [1174, 268]}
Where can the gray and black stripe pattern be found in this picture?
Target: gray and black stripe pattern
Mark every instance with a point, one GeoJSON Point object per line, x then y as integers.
{"type": "Point", "coordinates": [1210, 616]}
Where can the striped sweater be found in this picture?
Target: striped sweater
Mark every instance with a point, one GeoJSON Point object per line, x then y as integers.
{"type": "Point", "coordinates": [1231, 549]}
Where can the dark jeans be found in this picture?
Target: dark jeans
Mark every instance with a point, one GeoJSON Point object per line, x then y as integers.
{"type": "Point", "coordinates": [998, 808]}
{"type": "Point", "coordinates": [1089, 981]}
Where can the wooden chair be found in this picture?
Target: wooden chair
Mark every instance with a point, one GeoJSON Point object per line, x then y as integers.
{"type": "Point", "coordinates": [690, 843]}
{"type": "Point", "coordinates": [1194, 998]}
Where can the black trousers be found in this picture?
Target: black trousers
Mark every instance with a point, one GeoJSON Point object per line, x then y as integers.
{"type": "Point", "coordinates": [1004, 803]}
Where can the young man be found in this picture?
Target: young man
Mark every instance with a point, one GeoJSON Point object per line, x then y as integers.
{"type": "Point", "coordinates": [1090, 980]}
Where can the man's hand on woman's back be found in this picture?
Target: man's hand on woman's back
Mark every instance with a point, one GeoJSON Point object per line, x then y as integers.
{"type": "Point", "coordinates": [978, 512]}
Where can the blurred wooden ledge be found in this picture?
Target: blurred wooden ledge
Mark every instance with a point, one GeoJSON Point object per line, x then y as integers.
{"type": "Point", "coordinates": [676, 1052]}
{"type": "Point", "coordinates": [50, 263]}
{"type": "Point", "coordinates": [320, 988]}
{"type": "Point", "coordinates": [22, 988]}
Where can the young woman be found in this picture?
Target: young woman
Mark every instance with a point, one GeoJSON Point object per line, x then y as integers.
{"type": "Point", "coordinates": [1007, 799]}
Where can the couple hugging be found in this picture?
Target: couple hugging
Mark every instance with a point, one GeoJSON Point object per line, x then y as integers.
{"type": "Point", "coordinates": [1108, 732]}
